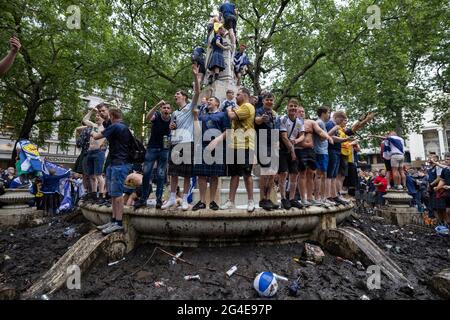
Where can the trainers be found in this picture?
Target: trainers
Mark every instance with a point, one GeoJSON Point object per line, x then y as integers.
{"type": "Point", "coordinates": [330, 202]}
{"type": "Point", "coordinates": [296, 204]}
{"type": "Point", "coordinates": [158, 203]}
{"type": "Point", "coordinates": [185, 205]}
{"type": "Point", "coordinates": [169, 203]}
{"type": "Point", "coordinates": [251, 206]}
{"type": "Point", "coordinates": [286, 204]}
{"type": "Point", "coordinates": [199, 205]}
{"type": "Point", "coordinates": [104, 226]}
{"type": "Point", "coordinates": [213, 206]}
{"type": "Point", "coordinates": [317, 203]}
{"type": "Point", "coordinates": [113, 228]}
{"type": "Point", "coordinates": [306, 203]}
{"type": "Point", "coordinates": [139, 204]}
{"type": "Point", "coordinates": [264, 204]}
{"type": "Point", "coordinates": [228, 205]}
{"type": "Point", "coordinates": [343, 199]}
{"type": "Point", "coordinates": [339, 201]}
{"type": "Point", "coordinates": [272, 205]}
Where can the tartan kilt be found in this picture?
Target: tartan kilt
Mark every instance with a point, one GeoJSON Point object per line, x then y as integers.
{"type": "Point", "coordinates": [183, 169]}
{"type": "Point", "coordinates": [180, 170]}
{"type": "Point", "coordinates": [209, 170]}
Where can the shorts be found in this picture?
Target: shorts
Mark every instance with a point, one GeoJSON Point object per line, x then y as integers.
{"type": "Point", "coordinates": [333, 163]}
{"type": "Point", "coordinates": [322, 162]}
{"type": "Point", "coordinates": [306, 158]}
{"type": "Point", "coordinates": [230, 22]}
{"type": "Point", "coordinates": [387, 164]}
{"type": "Point", "coordinates": [95, 161]}
{"type": "Point", "coordinates": [181, 169]}
{"type": "Point", "coordinates": [201, 66]}
{"type": "Point", "coordinates": [287, 164]}
{"type": "Point", "coordinates": [397, 160]}
{"type": "Point", "coordinates": [265, 163]}
{"type": "Point", "coordinates": [115, 179]}
{"type": "Point", "coordinates": [240, 169]}
{"type": "Point", "coordinates": [343, 165]}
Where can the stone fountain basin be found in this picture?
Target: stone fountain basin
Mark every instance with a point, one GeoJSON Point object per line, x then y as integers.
{"type": "Point", "coordinates": [16, 196]}
{"type": "Point", "coordinates": [219, 228]}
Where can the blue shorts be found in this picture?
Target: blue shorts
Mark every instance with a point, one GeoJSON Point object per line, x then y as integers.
{"type": "Point", "coordinates": [333, 163]}
{"type": "Point", "coordinates": [115, 179]}
{"type": "Point", "coordinates": [322, 162]}
{"type": "Point", "coordinates": [94, 162]}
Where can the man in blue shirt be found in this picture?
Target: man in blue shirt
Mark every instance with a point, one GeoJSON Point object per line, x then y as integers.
{"type": "Point", "coordinates": [229, 13]}
{"type": "Point", "coordinates": [209, 158]}
{"type": "Point", "coordinates": [119, 138]}
{"type": "Point", "coordinates": [157, 152]}
{"type": "Point", "coordinates": [334, 154]}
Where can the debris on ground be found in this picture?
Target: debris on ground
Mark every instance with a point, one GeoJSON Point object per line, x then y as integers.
{"type": "Point", "coordinates": [159, 284]}
{"type": "Point", "coordinates": [232, 270]}
{"type": "Point", "coordinates": [266, 284]}
{"type": "Point", "coordinates": [190, 277]}
{"type": "Point", "coordinates": [314, 253]}
{"type": "Point", "coordinates": [115, 262]}
{"type": "Point", "coordinates": [174, 259]}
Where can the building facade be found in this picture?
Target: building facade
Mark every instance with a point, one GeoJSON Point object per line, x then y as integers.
{"type": "Point", "coordinates": [52, 150]}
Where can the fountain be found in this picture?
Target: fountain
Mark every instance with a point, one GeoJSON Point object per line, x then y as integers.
{"type": "Point", "coordinates": [15, 210]}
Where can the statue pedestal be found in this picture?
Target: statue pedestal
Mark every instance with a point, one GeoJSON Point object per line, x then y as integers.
{"type": "Point", "coordinates": [398, 210]}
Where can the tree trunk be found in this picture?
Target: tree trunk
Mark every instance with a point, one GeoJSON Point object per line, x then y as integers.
{"type": "Point", "coordinates": [398, 120]}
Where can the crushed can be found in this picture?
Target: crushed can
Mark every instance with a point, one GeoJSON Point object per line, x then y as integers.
{"type": "Point", "coordinates": [231, 271]}
{"type": "Point", "coordinates": [196, 277]}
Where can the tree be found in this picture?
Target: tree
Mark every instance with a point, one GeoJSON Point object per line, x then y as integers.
{"type": "Point", "coordinates": [55, 64]}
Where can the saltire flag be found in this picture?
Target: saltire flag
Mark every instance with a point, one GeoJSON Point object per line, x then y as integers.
{"type": "Point", "coordinates": [29, 157]}
{"type": "Point", "coordinates": [66, 203]}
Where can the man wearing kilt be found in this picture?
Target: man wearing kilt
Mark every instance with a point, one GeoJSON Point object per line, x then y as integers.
{"type": "Point", "coordinates": [182, 140]}
{"type": "Point", "coordinates": [209, 159]}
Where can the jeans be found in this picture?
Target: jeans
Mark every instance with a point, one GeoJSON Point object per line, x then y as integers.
{"type": "Point", "coordinates": [151, 156]}
{"type": "Point", "coordinates": [115, 179]}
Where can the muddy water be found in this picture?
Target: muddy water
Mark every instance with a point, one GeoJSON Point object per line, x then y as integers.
{"type": "Point", "coordinates": [33, 251]}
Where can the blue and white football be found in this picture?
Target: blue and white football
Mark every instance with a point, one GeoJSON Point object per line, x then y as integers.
{"type": "Point", "coordinates": [266, 284]}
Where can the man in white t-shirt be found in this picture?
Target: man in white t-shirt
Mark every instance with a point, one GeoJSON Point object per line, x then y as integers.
{"type": "Point", "coordinates": [181, 158]}
{"type": "Point", "coordinates": [291, 133]}
{"type": "Point", "coordinates": [397, 152]}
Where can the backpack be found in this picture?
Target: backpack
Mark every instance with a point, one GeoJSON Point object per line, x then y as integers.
{"type": "Point", "coordinates": [136, 153]}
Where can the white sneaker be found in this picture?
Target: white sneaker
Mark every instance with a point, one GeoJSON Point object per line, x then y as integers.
{"type": "Point", "coordinates": [228, 205]}
{"type": "Point", "coordinates": [105, 226]}
{"type": "Point", "coordinates": [185, 206]}
{"type": "Point", "coordinates": [317, 203]}
{"type": "Point", "coordinates": [169, 203]}
{"type": "Point", "coordinates": [251, 206]}
{"type": "Point", "coordinates": [306, 203]}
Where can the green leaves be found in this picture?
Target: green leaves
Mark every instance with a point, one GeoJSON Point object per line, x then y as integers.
{"type": "Point", "coordinates": [321, 52]}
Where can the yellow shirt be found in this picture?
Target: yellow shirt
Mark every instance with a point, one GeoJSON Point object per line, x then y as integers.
{"type": "Point", "coordinates": [346, 148]}
{"type": "Point", "coordinates": [243, 136]}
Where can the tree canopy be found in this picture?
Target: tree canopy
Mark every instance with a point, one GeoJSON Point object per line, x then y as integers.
{"type": "Point", "coordinates": [319, 51]}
